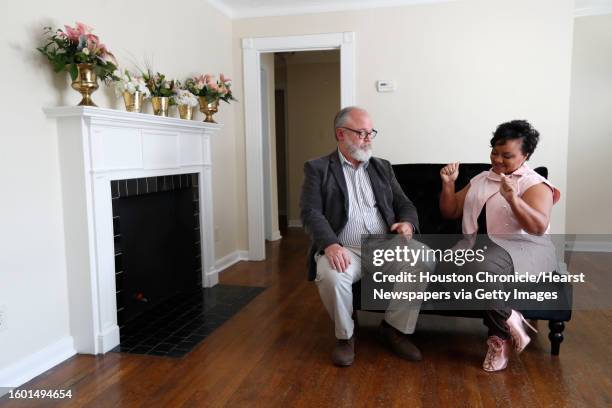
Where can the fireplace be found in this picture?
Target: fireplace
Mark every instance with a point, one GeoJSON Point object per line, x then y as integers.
{"type": "Point", "coordinates": [107, 157]}
{"type": "Point", "coordinates": [156, 233]}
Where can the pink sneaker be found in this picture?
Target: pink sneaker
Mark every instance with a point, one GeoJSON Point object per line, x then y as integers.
{"type": "Point", "coordinates": [516, 322]}
{"type": "Point", "coordinates": [497, 355]}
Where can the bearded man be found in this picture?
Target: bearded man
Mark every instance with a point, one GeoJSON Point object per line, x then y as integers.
{"type": "Point", "coordinates": [346, 194]}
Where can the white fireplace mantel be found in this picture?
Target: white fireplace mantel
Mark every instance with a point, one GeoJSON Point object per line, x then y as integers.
{"type": "Point", "coordinates": [97, 145]}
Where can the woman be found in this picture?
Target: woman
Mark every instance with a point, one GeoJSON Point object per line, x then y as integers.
{"type": "Point", "coordinates": [512, 204]}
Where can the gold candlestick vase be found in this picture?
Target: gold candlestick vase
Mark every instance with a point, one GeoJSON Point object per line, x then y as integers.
{"type": "Point", "coordinates": [208, 108]}
{"type": "Point", "coordinates": [85, 83]}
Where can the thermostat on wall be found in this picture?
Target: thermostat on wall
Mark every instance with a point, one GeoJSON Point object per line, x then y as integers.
{"type": "Point", "coordinates": [383, 85]}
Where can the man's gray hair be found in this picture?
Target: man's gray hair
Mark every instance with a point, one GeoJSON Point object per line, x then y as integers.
{"type": "Point", "coordinates": [342, 116]}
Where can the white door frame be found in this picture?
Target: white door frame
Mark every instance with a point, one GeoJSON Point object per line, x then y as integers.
{"type": "Point", "coordinates": [251, 50]}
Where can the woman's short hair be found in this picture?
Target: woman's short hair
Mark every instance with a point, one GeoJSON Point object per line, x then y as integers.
{"type": "Point", "coordinates": [517, 129]}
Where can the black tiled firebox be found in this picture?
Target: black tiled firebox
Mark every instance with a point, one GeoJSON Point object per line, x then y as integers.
{"type": "Point", "coordinates": [156, 231]}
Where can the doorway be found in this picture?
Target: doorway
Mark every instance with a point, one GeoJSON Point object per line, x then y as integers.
{"type": "Point", "coordinates": [256, 171]}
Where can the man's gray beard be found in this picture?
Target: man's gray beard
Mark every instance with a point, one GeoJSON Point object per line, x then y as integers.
{"type": "Point", "coordinates": [359, 154]}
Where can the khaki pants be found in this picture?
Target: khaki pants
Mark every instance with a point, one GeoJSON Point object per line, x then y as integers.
{"type": "Point", "coordinates": [335, 289]}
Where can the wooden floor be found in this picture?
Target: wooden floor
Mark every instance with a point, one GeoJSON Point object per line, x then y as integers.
{"type": "Point", "coordinates": [276, 352]}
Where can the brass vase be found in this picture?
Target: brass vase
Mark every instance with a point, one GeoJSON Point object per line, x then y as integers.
{"type": "Point", "coordinates": [160, 105]}
{"type": "Point", "coordinates": [185, 112]}
{"type": "Point", "coordinates": [133, 102]}
{"type": "Point", "coordinates": [86, 83]}
{"type": "Point", "coordinates": [208, 108]}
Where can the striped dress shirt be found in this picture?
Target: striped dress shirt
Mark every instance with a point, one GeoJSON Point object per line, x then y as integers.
{"type": "Point", "coordinates": [363, 217]}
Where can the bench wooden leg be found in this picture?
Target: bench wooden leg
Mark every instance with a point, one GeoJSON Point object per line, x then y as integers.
{"type": "Point", "coordinates": [555, 336]}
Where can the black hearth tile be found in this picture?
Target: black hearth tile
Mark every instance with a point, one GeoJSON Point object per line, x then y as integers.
{"type": "Point", "coordinates": [187, 344]}
{"type": "Point", "coordinates": [187, 182]}
{"type": "Point", "coordinates": [128, 330]}
{"type": "Point", "coordinates": [128, 344]}
{"type": "Point", "coordinates": [182, 319]}
{"type": "Point", "coordinates": [114, 189]}
{"type": "Point", "coordinates": [166, 330]}
{"type": "Point", "coordinates": [195, 194]}
{"type": "Point", "coordinates": [132, 187]}
{"type": "Point", "coordinates": [182, 333]}
{"type": "Point", "coordinates": [141, 184]}
{"type": "Point", "coordinates": [164, 347]}
{"type": "Point", "coordinates": [174, 326]}
{"type": "Point", "coordinates": [123, 188]}
{"type": "Point", "coordinates": [175, 339]}
{"type": "Point", "coordinates": [176, 182]}
{"type": "Point", "coordinates": [140, 350]}
{"type": "Point", "coordinates": [157, 353]}
{"type": "Point", "coordinates": [198, 321]}
{"type": "Point", "coordinates": [177, 353]}
{"type": "Point", "coordinates": [160, 337]}
{"type": "Point", "coordinates": [192, 313]}
{"type": "Point", "coordinates": [204, 331]}
{"type": "Point", "coordinates": [194, 179]}
{"type": "Point", "coordinates": [193, 326]}
{"type": "Point", "coordinates": [186, 324]}
{"type": "Point", "coordinates": [121, 349]}
{"type": "Point", "coordinates": [195, 338]}
{"type": "Point", "coordinates": [149, 342]}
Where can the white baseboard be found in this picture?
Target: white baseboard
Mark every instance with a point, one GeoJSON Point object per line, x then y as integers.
{"type": "Point", "coordinates": [589, 246]}
{"type": "Point", "coordinates": [228, 260]}
{"type": "Point", "coordinates": [276, 235]}
{"type": "Point", "coordinates": [294, 223]}
{"type": "Point", "coordinates": [35, 364]}
{"type": "Point", "coordinates": [108, 339]}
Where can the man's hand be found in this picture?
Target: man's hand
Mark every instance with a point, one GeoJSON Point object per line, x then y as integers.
{"type": "Point", "coordinates": [508, 188]}
{"type": "Point", "coordinates": [403, 228]}
{"type": "Point", "coordinates": [338, 257]}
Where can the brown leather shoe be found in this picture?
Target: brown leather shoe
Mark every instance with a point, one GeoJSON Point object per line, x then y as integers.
{"type": "Point", "coordinates": [399, 342]}
{"type": "Point", "coordinates": [344, 352]}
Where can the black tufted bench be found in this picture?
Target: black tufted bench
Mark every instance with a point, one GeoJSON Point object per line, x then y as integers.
{"type": "Point", "coordinates": [422, 184]}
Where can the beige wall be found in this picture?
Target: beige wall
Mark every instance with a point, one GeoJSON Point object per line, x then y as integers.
{"type": "Point", "coordinates": [33, 288]}
{"type": "Point", "coordinates": [590, 138]}
{"type": "Point", "coordinates": [461, 69]}
{"type": "Point", "coordinates": [313, 98]}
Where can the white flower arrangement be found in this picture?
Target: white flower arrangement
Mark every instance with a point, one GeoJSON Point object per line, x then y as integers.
{"type": "Point", "coordinates": [184, 97]}
{"type": "Point", "coordinates": [130, 83]}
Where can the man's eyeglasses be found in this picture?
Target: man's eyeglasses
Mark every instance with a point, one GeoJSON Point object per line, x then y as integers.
{"type": "Point", "coordinates": [362, 133]}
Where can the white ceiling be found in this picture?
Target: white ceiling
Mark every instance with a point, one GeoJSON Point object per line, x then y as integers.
{"type": "Point", "coordinates": [261, 8]}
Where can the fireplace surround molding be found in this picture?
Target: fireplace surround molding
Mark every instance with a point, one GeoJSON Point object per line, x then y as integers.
{"type": "Point", "coordinates": [96, 146]}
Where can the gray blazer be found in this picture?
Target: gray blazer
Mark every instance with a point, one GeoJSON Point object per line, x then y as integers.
{"type": "Point", "coordinates": [325, 207]}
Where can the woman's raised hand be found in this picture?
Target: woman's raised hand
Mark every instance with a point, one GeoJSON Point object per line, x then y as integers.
{"type": "Point", "coordinates": [449, 173]}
